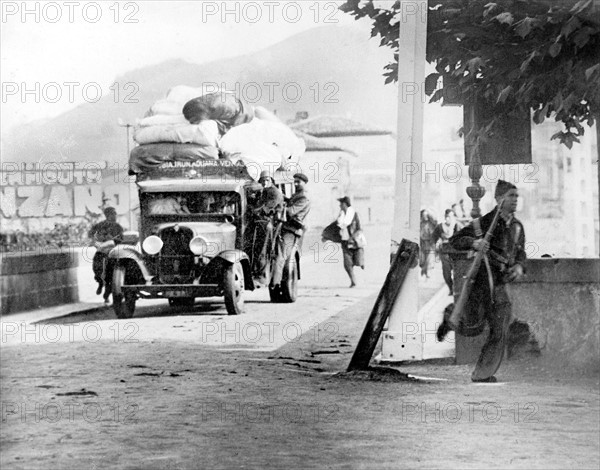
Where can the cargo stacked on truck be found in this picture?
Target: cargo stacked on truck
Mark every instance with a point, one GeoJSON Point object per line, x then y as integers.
{"type": "Point", "coordinates": [196, 172]}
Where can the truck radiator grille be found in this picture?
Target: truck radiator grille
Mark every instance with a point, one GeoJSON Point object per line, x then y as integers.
{"type": "Point", "coordinates": [176, 261]}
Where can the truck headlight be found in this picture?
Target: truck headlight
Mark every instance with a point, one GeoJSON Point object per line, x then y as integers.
{"type": "Point", "coordinates": [152, 245]}
{"type": "Point", "coordinates": [198, 246]}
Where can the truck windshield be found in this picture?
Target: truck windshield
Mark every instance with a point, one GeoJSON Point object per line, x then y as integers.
{"type": "Point", "coordinates": [191, 203]}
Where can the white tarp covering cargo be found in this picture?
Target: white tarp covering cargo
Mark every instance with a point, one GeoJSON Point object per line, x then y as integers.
{"type": "Point", "coordinates": [223, 127]}
{"type": "Point", "coordinates": [262, 142]}
{"type": "Point", "coordinates": [144, 157]}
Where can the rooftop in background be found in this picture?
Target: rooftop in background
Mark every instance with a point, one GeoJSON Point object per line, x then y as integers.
{"type": "Point", "coordinates": [335, 126]}
{"type": "Point", "coordinates": [314, 144]}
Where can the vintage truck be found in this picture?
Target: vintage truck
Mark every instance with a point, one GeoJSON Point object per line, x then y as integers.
{"type": "Point", "coordinates": [194, 239]}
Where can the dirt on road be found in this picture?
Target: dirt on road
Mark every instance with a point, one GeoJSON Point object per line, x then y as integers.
{"type": "Point", "coordinates": [166, 404]}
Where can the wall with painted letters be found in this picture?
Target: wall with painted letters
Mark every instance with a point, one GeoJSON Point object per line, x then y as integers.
{"type": "Point", "coordinates": [35, 196]}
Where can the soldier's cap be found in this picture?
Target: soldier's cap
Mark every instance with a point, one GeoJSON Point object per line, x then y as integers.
{"type": "Point", "coordinates": [345, 200]}
{"type": "Point", "coordinates": [301, 176]}
{"type": "Point", "coordinates": [109, 210]}
{"type": "Point", "coordinates": [265, 174]}
{"type": "Point", "coordinates": [503, 187]}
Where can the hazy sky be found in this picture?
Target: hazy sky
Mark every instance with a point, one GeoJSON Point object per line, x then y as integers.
{"type": "Point", "coordinates": [56, 55]}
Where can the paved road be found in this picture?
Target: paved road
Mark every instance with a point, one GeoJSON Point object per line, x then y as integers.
{"type": "Point", "coordinates": [167, 390]}
{"type": "Point", "coordinates": [264, 326]}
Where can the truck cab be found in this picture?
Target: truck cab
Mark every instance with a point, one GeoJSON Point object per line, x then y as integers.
{"type": "Point", "coordinates": [195, 239]}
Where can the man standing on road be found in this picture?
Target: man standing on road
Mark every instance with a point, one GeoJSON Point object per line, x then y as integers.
{"type": "Point", "coordinates": [102, 234]}
{"type": "Point", "coordinates": [296, 210]}
{"type": "Point", "coordinates": [488, 300]}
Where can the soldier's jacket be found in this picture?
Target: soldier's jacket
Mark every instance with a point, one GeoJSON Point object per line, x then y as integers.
{"type": "Point", "coordinates": [507, 245]}
{"type": "Point", "coordinates": [105, 230]}
{"type": "Point", "coordinates": [297, 208]}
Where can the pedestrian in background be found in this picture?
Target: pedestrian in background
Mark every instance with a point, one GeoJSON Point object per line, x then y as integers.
{"type": "Point", "coordinates": [352, 238]}
{"type": "Point", "coordinates": [427, 251]}
{"type": "Point", "coordinates": [459, 212]}
{"type": "Point", "coordinates": [442, 233]}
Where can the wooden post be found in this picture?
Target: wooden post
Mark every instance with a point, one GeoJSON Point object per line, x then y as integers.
{"type": "Point", "coordinates": [405, 258]}
{"type": "Point", "coordinates": [598, 162]}
{"type": "Point", "coordinates": [409, 157]}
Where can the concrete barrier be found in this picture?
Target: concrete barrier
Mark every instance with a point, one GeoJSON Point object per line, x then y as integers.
{"type": "Point", "coordinates": [559, 298]}
{"type": "Point", "coordinates": [29, 281]}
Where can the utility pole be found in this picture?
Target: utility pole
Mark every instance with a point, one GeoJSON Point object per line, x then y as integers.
{"type": "Point", "coordinates": [402, 341]}
{"type": "Point", "coordinates": [127, 126]}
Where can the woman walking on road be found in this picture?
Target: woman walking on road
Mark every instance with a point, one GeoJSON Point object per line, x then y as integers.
{"type": "Point", "coordinates": [352, 238]}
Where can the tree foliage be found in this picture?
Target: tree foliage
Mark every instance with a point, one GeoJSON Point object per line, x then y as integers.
{"type": "Point", "coordinates": [514, 55]}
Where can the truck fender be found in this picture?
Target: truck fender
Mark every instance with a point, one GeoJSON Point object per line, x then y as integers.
{"type": "Point", "coordinates": [231, 256]}
{"type": "Point", "coordinates": [127, 252]}
{"type": "Point", "coordinates": [227, 258]}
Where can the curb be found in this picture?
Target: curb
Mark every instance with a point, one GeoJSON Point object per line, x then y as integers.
{"type": "Point", "coordinates": [52, 313]}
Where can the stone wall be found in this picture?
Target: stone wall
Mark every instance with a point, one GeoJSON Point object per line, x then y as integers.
{"type": "Point", "coordinates": [35, 280]}
{"type": "Point", "coordinates": [560, 300]}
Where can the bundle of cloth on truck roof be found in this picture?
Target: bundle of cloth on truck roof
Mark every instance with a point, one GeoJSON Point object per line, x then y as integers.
{"type": "Point", "coordinates": [190, 125]}
{"type": "Point", "coordinates": [269, 144]}
{"type": "Point", "coordinates": [148, 156]}
{"type": "Point", "coordinates": [190, 105]}
{"type": "Point", "coordinates": [224, 108]}
{"type": "Point", "coordinates": [202, 133]}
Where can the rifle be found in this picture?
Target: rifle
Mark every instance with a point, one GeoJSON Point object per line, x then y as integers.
{"type": "Point", "coordinates": [469, 279]}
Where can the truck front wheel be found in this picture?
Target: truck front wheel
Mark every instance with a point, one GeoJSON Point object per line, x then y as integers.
{"type": "Point", "coordinates": [233, 288]}
{"type": "Point", "coordinates": [123, 303]}
{"type": "Point", "coordinates": [289, 284]}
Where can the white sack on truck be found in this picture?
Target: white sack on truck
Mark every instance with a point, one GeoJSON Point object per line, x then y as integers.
{"type": "Point", "coordinates": [162, 120]}
{"type": "Point", "coordinates": [265, 114]}
{"type": "Point", "coordinates": [204, 133]}
{"type": "Point", "coordinates": [164, 107]}
{"type": "Point", "coordinates": [263, 142]}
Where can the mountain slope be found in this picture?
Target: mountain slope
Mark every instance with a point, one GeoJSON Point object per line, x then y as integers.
{"type": "Point", "coordinates": [326, 70]}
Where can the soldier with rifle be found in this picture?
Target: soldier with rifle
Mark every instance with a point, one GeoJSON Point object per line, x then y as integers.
{"type": "Point", "coordinates": [498, 241]}
{"type": "Point", "coordinates": [263, 219]}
